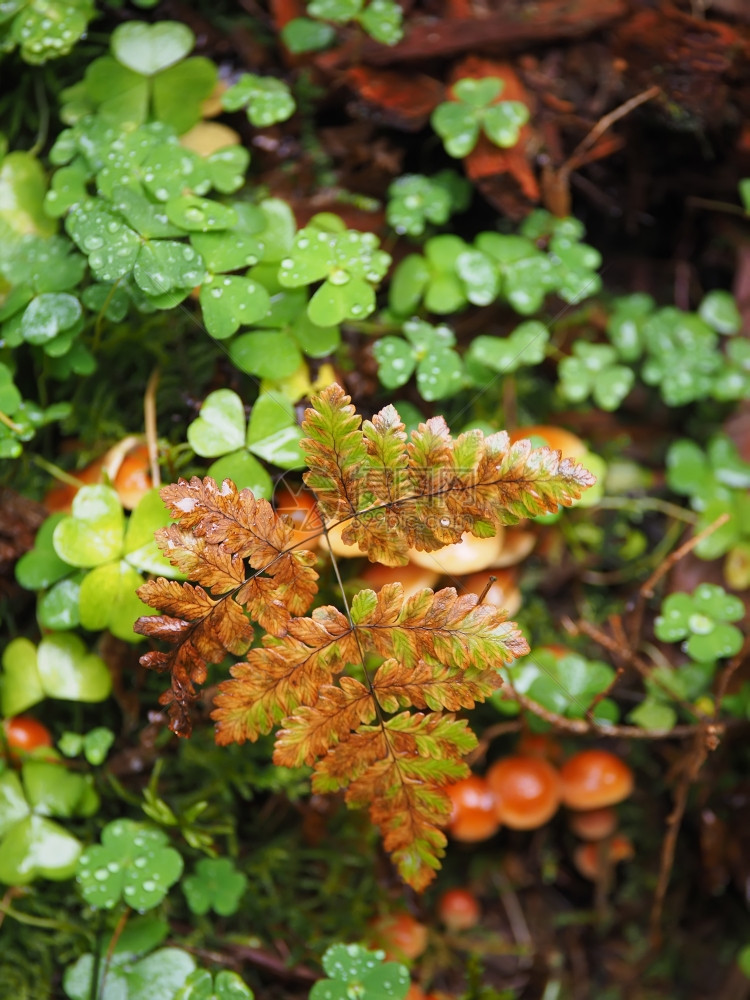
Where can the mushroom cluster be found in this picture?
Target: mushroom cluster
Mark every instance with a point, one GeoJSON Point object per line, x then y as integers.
{"type": "Point", "coordinates": [524, 791]}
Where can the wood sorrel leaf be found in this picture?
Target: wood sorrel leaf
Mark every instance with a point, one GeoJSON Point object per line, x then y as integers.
{"type": "Point", "coordinates": [149, 48]}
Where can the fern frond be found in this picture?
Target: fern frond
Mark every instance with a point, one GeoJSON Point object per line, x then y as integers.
{"type": "Point", "coordinates": [438, 653]}
{"type": "Point", "coordinates": [394, 495]}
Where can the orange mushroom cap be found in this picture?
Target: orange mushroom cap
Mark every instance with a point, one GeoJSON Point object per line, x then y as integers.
{"type": "Point", "coordinates": [474, 816]}
{"type": "Point", "coordinates": [503, 592]}
{"type": "Point", "coordinates": [527, 791]}
{"type": "Point", "coordinates": [593, 824]}
{"type": "Point", "coordinates": [412, 578]}
{"type": "Point", "coordinates": [591, 858]}
{"type": "Point", "coordinates": [558, 438]}
{"type": "Point", "coordinates": [133, 478]}
{"type": "Point", "coordinates": [539, 745]}
{"type": "Point", "coordinates": [300, 506]}
{"type": "Point", "coordinates": [595, 778]}
{"type": "Point", "coordinates": [459, 909]}
{"type": "Point", "coordinates": [400, 935]}
{"type": "Point", "coordinates": [469, 555]}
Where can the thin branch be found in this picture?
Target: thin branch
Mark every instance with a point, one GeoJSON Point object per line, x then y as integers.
{"type": "Point", "coordinates": [646, 592]}
{"type": "Point", "coordinates": [149, 421]}
{"type": "Point", "coordinates": [577, 157]}
{"type": "Point", "coordinates": [674, 822]}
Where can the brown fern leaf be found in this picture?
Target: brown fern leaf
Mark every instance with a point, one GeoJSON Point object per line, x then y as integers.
{"type": "Point", "coordinates": [451, 629]}
{"type": "Point", "coordinates": [311, 731]}
{"type": "Point", "coordinates": [202, 629]}
{"type": "Point", "coordinates": [244, 527]}
{"type": "Point", "coordinates": [283, 675]}
{"type": "Point", "coordinates": [400, 772]}
{"type": "Point", "coordinates": [428, 491]}
{"type": "Point", "coordinates": [220, 531]}
{"type": "Point", "coordinates": [335, 450]}
{"type": "Point", "coordinates": [431, 685]}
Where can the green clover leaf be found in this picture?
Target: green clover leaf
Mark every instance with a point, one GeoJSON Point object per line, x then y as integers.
{"type": "Point", "coordinates": [592, 370]}
{"type": "Point", "coordinates": [706, 476]}
{"type": "Point", "coordinates": [96, 537]}
{"type": "Point", "coordinates": [381, 19]}
{"type": "Point", "coordinates": [720, 311]}
{"type": "Point", "coordinates": [414, 200]}
{"type": "Point", "coordinates": [160, 974]}
{"type": "Point", "coordinates": [95, 744]}
{"type": "Point", "coordinates": [682, 356]}
{"type": "Point", "coordinates": [625, 325]}
{"type": "Point", "coordinates": [92, 534]}
{"type": "Point", "coordinates": [48, 29]}
{"type": "Point", "coordinates": [42, 566]}
{"type": "Point", "coordinates": [526, 345]}
{"type": "Point", "coordinates": [132, 864]}
{"type": "Point", "coordinates": [266, 100]}
{"type": "Point", "coordinates": [31, 844]}
{"type": "Point", "coordinates": [200, 985]}
{"type": "Point", "coordinates": [575, 265]}
{"type": "Point", "coordinates": [703, 620]}
{"type": "Point", "coordinates": [302, 34]}
{"type": "Point", "coordinates": [215, 885]}
{"type": "Point", "coordinates": [356, 972]}
{"type": "Point", "coordinates": [60, 667]}
{"type": "Point", "coordinates": [526, 273]}
{"type": "Point", "coordinates": [348, 262]}
{"type": "Point", "coordinates": [733, 380]}
{"type": "Point", "coordinates": [440, 372]}
{"type": "Point", "coordinates": [459, 122]}
{"type": "Point", "coordinates": [272, 433]}
{"type": "Point", "coordinates": [22, 192]}
{"type": "Point", "coordinates": [149, 48]}
{"type": "Point", "coordinates": [566, 684]}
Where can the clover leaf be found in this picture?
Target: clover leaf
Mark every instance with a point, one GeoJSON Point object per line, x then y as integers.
{"type": "Point", "coordinates": [592, 370]}
{"type": "Point", "coordinates": [487, 355]}
{"type": "Point", "coordinates": [526, 273]}
{"type": "Point", "coordinates": [302, 34]}
{"type": "Point", "coordinates": [94, 744]}
{"type": "Point", "coordinates": [348, 263]}
{"type": "Point", "coordinates": [266, 100]}
{"type": "Point", "coordinates": [272, 434]}
{"type": "Point", "coordinates": [625, 325]}
{"type": "Point", "coordinates": [215, 885]}
{"type": "Point", "coordinates": [147, 69]}
{"type": "Point", "coordinates": [414, 200]}
{"type": "Point", "coordinates": [133, 864]}
{"type": "Point", "coordinates": [429, 350]}
{"type": "Point", "coordinates": [720, 311]}
{"type": "Point", "coordinates": [96, 537]}
{"type": "Point", "coordinates": [567, 684]}
{"type": "Point", "coordinates": [702, 619]}
{"type": "Point", "coordinates": [31, 844]}
{"type": "Point", "coordinates": [733, 380]}
{"type": "Point", "coordinates": [59, 667]}
{"type": "Point", "coordinates": [149, 48]}
{"type": "Point", "coordinates": [47, 29]}
{"type": "Point", "coordinates": [381, 19]}
{"type": "Point", "coordinates": [436, 278]}
{"type": "Point", "coordinates": [706, 476]}
{"type": "Point", "coordinates": [200, 985]}
{"type": "Point", "coordinates": [682, 356]}
{"type": "Point", "coordinates": [475, 108]}
{"type": "Point", "coordinates": [355, 971]}
{"type": "Point", "coordinates": [160, 974]}
{"type": "Point", "coordinates": [666, 684]}
{"type": "Point", "coordinates": [22, 191]}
